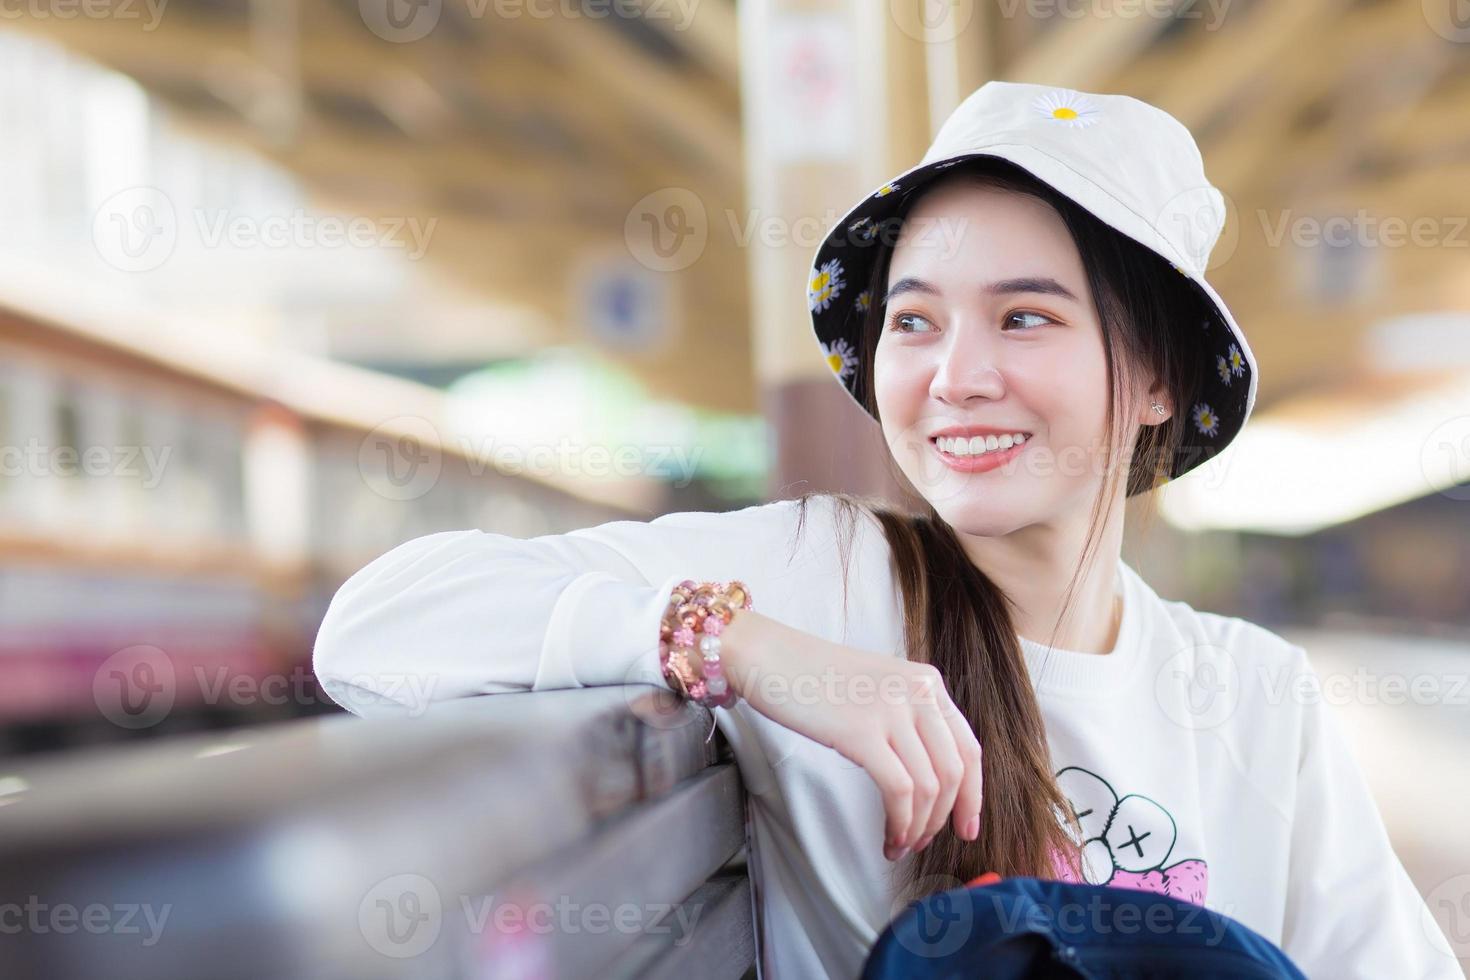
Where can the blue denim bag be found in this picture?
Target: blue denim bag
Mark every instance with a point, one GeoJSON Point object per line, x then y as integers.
{"type": "Point", "coordinates": [1037, 928]}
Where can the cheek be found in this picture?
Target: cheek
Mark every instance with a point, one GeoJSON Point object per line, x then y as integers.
{"type": "Point", "coordinates": [897, 379]}
{"type": "Point", "coordinates": [1071, 395]}
{"type": "Point", "coordinates": [1071, 382]}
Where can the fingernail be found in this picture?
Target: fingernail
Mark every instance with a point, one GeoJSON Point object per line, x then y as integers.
{"type": "Point", "coordinates": [972, 829]}
{"type": "Point", "coordinates": [901, 853]}
{"type": "Point", "coordinates": [924, 843]}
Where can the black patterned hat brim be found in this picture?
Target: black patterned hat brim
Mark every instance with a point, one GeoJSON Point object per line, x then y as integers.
{"type": "Point", "coordinates": [838, 296]}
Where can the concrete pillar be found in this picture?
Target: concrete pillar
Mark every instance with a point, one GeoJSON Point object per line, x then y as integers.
{"type": "Point", "coordinates": [838, 96]}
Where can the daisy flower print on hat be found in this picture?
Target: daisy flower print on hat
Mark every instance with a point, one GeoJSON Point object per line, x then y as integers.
{"type": "Point", "coordinates": [1068, 107]}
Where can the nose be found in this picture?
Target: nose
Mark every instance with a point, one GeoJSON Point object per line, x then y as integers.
{"type": "Point", "coordinates": [967, 369]}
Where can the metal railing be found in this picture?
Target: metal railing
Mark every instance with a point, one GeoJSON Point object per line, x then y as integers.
{"type": "Point", "coordinates": [573, 833]}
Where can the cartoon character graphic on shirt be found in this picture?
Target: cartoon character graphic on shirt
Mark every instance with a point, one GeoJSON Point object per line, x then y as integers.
{"type": "Point", "coordinates": [1127, 841]}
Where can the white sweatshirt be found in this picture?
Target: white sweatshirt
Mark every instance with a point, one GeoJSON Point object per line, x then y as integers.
{"type": "Point", "coordinates": [1198, 759]}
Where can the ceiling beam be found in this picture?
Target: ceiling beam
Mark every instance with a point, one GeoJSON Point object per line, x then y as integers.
{"type": "Point", "coordinates": [683, 108]}
{"type": "Point", "coordinates": [180, 54]}
{"type": "Point", "coordinates": [1085, 52]}
{"type": "Point", "coordinates": [509, 76]}
{"type": "Point", "coordinates": [1199, 75]}
{"type": "Point", "coordinates": [1241, 157]}
{"type": "Point", "coordinates": [1400, 125]}
{"type": "Point", "coordinates": [512, 219]}
{"type": "Point", "coordinates": [710, 37]}
{"type": "Point", "coordinates": [183, 53]}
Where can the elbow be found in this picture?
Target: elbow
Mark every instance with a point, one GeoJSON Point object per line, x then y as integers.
{"type": "Point", "coordinates": [331, 657]}
{"type": "Point", "coordinates": [418, 625]}
{"type": "Point", "coordinates": [356, 665]}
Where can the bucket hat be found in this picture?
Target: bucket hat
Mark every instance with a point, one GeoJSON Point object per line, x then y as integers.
{"type": "Point", "coordinates": [1129, 163]}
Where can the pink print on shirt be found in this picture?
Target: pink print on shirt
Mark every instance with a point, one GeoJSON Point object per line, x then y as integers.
{"type": "Point", "coordinates": [1127, 841]}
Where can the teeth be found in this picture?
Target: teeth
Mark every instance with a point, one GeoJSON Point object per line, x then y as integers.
{"type": "Point", "coordinates": [975, 445]}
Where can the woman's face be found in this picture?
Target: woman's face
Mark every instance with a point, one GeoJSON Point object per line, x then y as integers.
{"type": "Point", "coordinates": [990, 324]}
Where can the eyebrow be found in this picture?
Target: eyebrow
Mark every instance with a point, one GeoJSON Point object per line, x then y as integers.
{"type": "Point", "coordinates": [1022, 284]}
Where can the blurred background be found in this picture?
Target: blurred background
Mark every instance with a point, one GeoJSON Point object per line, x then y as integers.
{"type": "Point", "coordinates": [284, 283]}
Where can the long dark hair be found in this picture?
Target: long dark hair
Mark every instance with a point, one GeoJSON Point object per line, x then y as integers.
{"type": "Point", "coordinates": [959, 620]}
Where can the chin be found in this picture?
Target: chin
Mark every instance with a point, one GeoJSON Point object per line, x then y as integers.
{"type": "Point", "coordinates": [988, 515]}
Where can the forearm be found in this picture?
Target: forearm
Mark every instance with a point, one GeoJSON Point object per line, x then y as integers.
{"type": "Point", "coordinates": [461, 613]}
{"type": "Point", "coordinates": [748, 638]}
{"type": "Point", "coordinates": [758, 650]}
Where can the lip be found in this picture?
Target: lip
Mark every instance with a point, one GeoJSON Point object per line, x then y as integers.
{"type": "Point", "coordinates": [976, 430]}
{"type": "Point", "coordinates": [985, 461]}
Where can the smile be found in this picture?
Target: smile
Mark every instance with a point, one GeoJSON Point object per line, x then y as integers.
{"type": "Point", "coordinates": [957, 453]}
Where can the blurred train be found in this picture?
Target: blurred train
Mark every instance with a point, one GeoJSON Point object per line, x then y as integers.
{"type": "Point", "coordinates": [175, 519]}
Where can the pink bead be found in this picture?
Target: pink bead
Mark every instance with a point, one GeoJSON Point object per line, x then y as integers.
{"type": "Point", "coordinates": [714, 625]}
{"type": "Point", "coordinates": [688, 583]}
{"type": "Point", "coordinates": [696, 690]}
{"type": "Point", "coordinates": [684, 637]}
{"type": "Point", "coordinates": [712, 668]}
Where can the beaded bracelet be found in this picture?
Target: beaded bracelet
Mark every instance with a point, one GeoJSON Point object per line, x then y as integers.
{"type": "Point", "coordinates": [696, 616]}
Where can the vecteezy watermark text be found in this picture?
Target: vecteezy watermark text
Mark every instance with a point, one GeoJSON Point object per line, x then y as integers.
{"type": "Point", "coordinates": [121, 919]}
{"type": "Point", "coordinates": [1211, 12]}
{"type": "Point", "coordinates": [403, 916]}
{"type": "Point", "coordinates": [150, 12]}
{"type": "Point", "coordinates": [405, 21]}
{"type": "Point", "coordinates": [38, 459]}
{"type": "Point", "coordinates": [138, 229]}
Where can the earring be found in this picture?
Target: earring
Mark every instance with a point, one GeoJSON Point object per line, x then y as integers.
{"type": "Point", "coordinates": [1159, 408]}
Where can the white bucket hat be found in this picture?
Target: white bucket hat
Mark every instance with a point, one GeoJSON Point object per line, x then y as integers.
{"type": "Point", "coordinates": [1131, 164]}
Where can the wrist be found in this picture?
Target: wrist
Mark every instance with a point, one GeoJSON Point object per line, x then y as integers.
{"type": "Point", "coordinates": [691, 643]}
{"type": "Point", "coordinates": [738, 644]}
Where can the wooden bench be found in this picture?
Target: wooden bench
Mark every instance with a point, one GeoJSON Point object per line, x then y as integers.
{"type": "Point", "coordinates": [575, 833]}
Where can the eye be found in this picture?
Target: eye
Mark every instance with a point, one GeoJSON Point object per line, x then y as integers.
{"type": "Point", "coordinates": [899, 318]}
{"type": "Point", "coordinates": [1021, 314]}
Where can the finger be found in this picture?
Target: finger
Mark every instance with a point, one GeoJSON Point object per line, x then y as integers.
{"type": "Point", "coordinates": [892, 778]}
{"type": "Point", "coordinates": [910, 748]}
{"type": "Point", "coordinates": [971, 795]}
{"type": "Point", "coordinates": [944, 757]}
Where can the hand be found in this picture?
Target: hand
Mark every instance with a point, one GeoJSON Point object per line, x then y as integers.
{"type": "Point", "coordinates": [887, 714]}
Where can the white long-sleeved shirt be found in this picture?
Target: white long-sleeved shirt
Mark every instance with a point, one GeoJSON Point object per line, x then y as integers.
{"type": "Point", "coordinates": [1196, 753]}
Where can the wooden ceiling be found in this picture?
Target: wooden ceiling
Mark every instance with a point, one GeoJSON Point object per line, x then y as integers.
{"type": "Point", "coordinates": [531, 138]}
{"type": "Point", "coordinates": [1309, 111]}
{"type": "Point", "coordinates": [527, 139]}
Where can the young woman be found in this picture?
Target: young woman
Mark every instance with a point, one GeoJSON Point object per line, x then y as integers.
{"type": "Point", "coordinates": [984, 685]}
